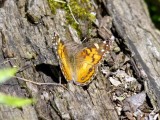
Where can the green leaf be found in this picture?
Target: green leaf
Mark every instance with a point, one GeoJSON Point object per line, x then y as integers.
{"type": "Point", "coordinates": [7, 73]}
{"type": "Point", "coordinates": [14, 101]}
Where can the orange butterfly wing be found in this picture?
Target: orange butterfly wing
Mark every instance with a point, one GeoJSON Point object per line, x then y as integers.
{"type": "Point", "coordinates": [86, 62]}
{"type": "Point", "coordinates": [64, 59]}
{"type": "Point", "coordinates": [79, 63]}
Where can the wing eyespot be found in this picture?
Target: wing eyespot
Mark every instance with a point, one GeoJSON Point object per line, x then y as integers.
{"type": "Point", "coordinates": [90, 69]}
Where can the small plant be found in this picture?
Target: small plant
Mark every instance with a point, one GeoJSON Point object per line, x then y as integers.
{"type": "Point", "coordinates": [5, 75]}
{"type": "Point", "coordinates": [76, 10]}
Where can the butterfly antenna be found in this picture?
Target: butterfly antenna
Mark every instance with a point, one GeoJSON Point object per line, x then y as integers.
{"type": "Point", "coordinates": [84, 39]}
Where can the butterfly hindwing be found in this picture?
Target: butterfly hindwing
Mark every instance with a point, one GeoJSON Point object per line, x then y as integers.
{"type": "Point", "coordinates": [87, 62]}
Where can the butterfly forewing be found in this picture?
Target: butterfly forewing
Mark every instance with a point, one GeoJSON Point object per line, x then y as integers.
{"type": "Point", "coordinates": [64, 59]}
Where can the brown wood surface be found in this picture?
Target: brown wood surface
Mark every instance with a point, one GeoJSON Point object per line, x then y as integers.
{"type": "Point", "coordinates": [26, 34]}
{"type": "Point", "coordinates": [133, 25]}
{"type": "Point", "coordinates": [26, 31]}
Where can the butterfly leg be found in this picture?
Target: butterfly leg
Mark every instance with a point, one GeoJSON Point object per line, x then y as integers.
{"type": "Point", "coordinates": [60, 77]}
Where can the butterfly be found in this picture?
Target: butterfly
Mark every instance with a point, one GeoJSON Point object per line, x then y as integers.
{"type": "Point", "coordinates": [79, 62]}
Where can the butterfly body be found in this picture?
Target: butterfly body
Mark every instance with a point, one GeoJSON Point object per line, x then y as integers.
{"type": "Point", "coordinates": [79, 62]}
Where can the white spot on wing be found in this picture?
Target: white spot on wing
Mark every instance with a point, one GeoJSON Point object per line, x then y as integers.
{"type": "Point", "coordinates": [102, 50]}
{"type": "Point", "coordinates": [104, 42]}
{"type": "Point", "coordinates": [96, 45]}
{"type": "Point", "coordinates": [112, 38]}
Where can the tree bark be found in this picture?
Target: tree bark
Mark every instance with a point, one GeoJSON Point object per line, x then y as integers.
{"type": "Point", "coordinates": [134, 27]}
{"type": "Point", "coordinates": [26, 31]}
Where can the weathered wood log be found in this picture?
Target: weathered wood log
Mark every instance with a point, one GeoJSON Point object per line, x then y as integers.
{"type": "Point", "coordinates": [137, 32]}
{"type": "Point", "coordinates": [26, 34]}
{"type": "Point", "coordinates": [26, 31]}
